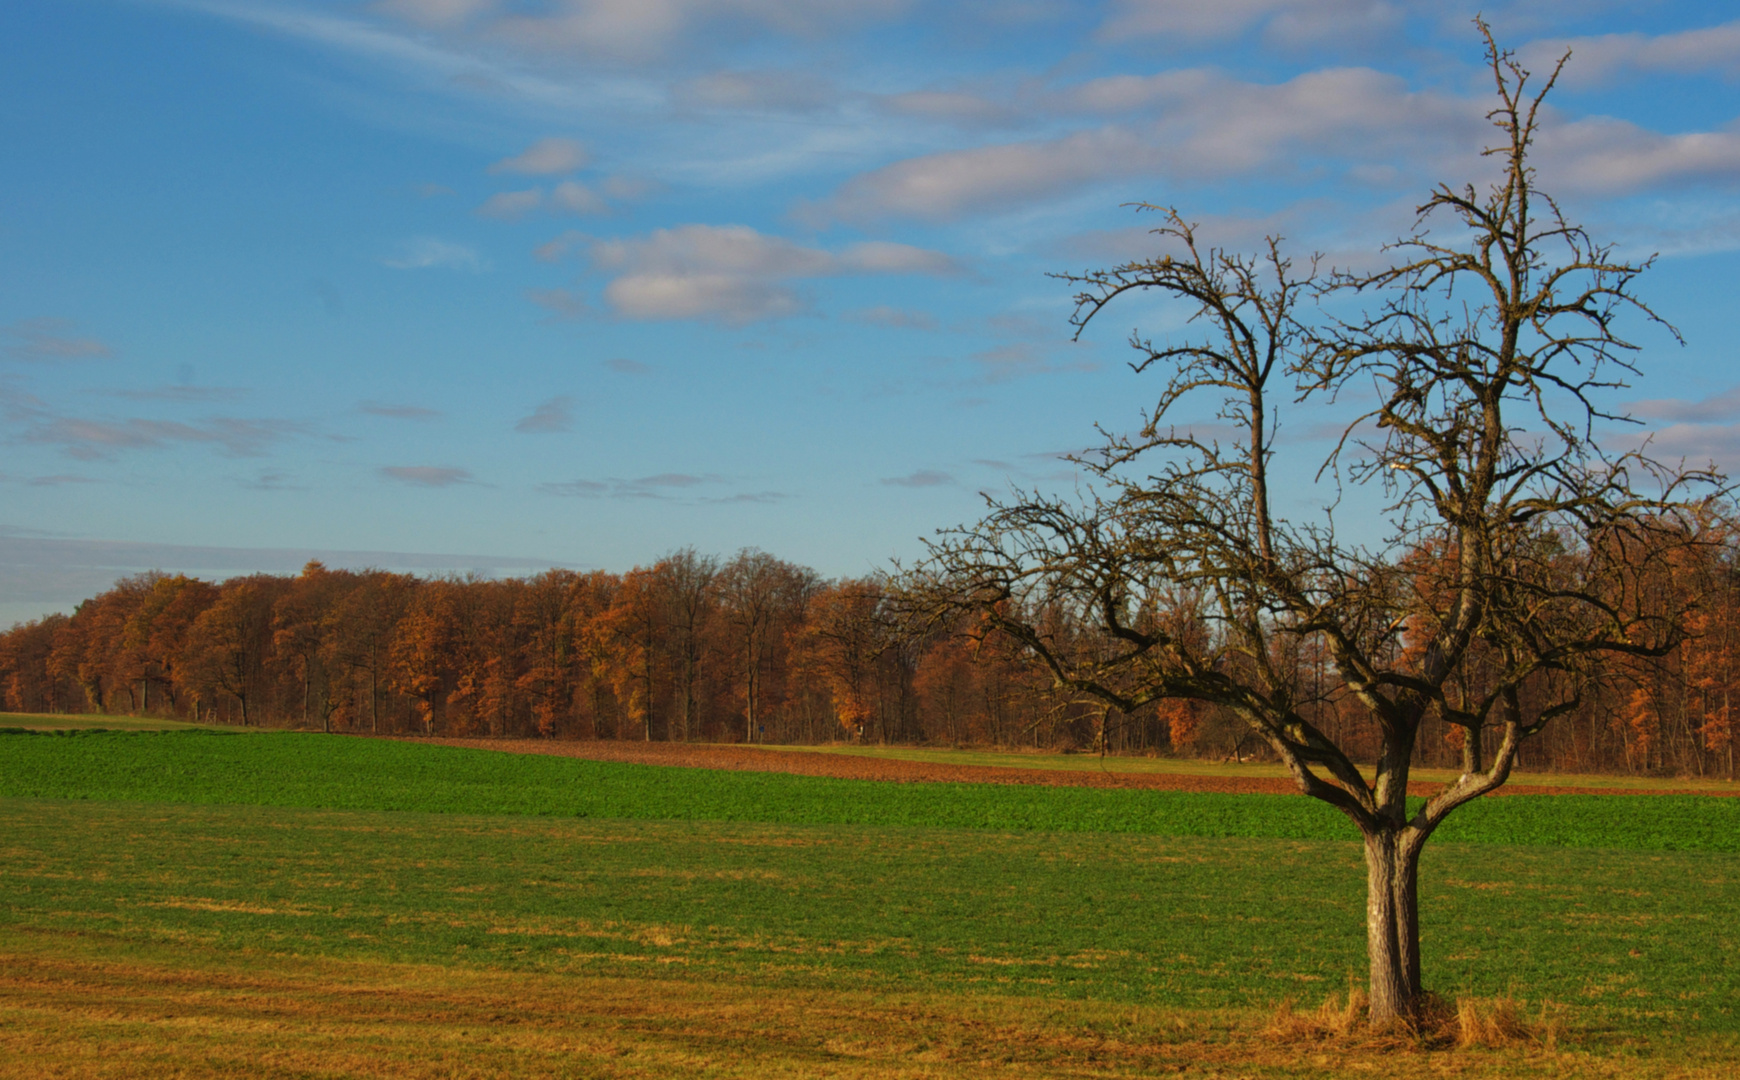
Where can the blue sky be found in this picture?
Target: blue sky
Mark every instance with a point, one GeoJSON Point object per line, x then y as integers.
{"type": "Point", "coordinates": [520, 282]}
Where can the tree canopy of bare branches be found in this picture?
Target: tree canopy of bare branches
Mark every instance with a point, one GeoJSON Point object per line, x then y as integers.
{"type": "Point", "coordinates": [1519, 550]}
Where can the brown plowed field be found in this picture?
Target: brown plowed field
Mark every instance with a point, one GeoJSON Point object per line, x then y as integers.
{"type": "Point", "coordinates": [863, 767]}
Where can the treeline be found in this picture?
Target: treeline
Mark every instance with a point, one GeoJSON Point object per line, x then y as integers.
{"type": "Point", "coordinates": [690, 648]}
{"type": "Point", "coordinates": [747, 649]}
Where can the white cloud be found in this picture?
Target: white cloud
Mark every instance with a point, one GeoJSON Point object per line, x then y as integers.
{"type": "Point", "coordinates": [1605, 156]}
{"type": "Point", "coordinates": [958, 182]}
{"type": "Point", "coordinates": [436, 476]}
{"type": "Point", "coordinates": [554, 415]}
{"type": "Point", "coordinates": [734, 273]}
{"type": "Point", "coordinates": [1206, 126]}
{"type": "Point", "coordinates": [428, 253]}
{"type": "Point", "coordinates": [1283, 22]}
{"type": "Point", "coordinates": [546, 157]}
{"type": "Point", "coordinates": [1601, 59]}
{"type": "Point", "coordinates": [882, 257]}
{"type": "Point", "coordinates": [1696, 443]}
{"type": "Point", "coordinates": [1717, 407]}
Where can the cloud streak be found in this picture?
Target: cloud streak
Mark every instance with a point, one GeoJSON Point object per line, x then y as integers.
{"type": "Point", "coordinates": [546, 157]}
{"type": "Point", "coordinates": [735, 274]}
{"type": "Point", "coordinates": [92, 440]}
{"type": "Point", "coordinates": [661, 486]}
{"type": "Point", "coordinates": [49, 341]}
{"type": "Point", "coordinates": [554, 415]}
{"type": "Point", "coordinates": [429, 253]}
{"type": "Point", "coordinates": [427, 476]}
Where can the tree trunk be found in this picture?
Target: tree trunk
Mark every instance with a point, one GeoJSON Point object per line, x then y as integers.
{"type": "Point", "coordinates": [1392, 925]}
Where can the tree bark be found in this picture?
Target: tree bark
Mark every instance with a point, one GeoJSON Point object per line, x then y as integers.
{"type": "Point", "coordinates": [1392, 923]}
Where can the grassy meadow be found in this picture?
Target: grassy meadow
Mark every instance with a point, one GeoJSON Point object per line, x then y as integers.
{"type": "Point", "coordinates": [187, 903]}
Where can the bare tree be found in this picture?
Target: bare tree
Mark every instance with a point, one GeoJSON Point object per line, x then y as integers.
{"type": "Point", "coordinates": [752, 585]}
{"type": "Point", "coordinates": [689, 581]}
{"type": "Point", "coordinates": [1518, 550]}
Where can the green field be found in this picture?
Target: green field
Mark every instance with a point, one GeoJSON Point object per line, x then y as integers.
{"type": "Point", "coordinates": [138, 868]}
{"type": "Point", "coordinates": [316, 771]}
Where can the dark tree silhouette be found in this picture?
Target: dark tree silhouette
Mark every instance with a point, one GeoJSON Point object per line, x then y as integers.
{"type": "Point", "coordinates": [1519, 552]}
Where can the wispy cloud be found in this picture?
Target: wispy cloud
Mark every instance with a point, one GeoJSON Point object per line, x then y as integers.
{"type": "Point", "coordinates": [554, 415]}
{"type": "Point", "coordinates": [659, 486]}
{"type": "Point", "coordinates": [273, 480]}
{"type": "Point", "coordinates": [567, 197]}
{"type": "Point", "coordinates": [91, 440]}
{"type": "Point", "coordinates": [1600, 59]}
{"type": "Point", "coordinates": [894, 318]}
{"type": "Point", "coordinates": [1184, 125]}
{"type": "Point", "coordinates": [512, 205]}
{"type": "Point", "coordinates": [428, 253]}
{"type": "Point", "coordinates": [771, 91]}
{"type": "Point", "coordinates": [1003, 363]}
{"type": "Point", "coordinates": [187, 394]}
{"type": "Point", "coordinates": [622, 365]}
{"type": "Point", "coordinates": [48, 340]}
{"type": "Point", "coordinates": [546, 157]}
{"type": "Point", "coordinates": [60, 480]}
{"type": "Point", "coordinates": [923, 478]}
{"type": "Point", "coordinates": [735, 274]}
{"type": "Point", "coordinates": [757, 497]}
{"type": "Point", "coordinates": [622, 31]}
{"type": "Point", "coordinates": [393, 411]}
{"type": "Point", "coordinates": [431, 476]}
{"type": "Point", "coordinates": [562, 303]}
{"type": "Point", "coordinates": [1286, 23]}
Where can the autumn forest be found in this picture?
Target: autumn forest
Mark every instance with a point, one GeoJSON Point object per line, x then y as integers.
{"type": "Point", "coordinates": [746, 649]}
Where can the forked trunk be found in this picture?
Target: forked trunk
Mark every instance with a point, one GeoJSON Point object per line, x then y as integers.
{"type": "Point", "coordinates": [1392, 925]}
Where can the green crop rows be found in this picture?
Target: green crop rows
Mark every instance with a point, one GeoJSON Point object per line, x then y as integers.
{"type": "Point", "coordinates": [330, 772]}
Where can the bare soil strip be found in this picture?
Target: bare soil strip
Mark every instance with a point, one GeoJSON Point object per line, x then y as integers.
{"type": "Point", "coordinates": [863, 767]}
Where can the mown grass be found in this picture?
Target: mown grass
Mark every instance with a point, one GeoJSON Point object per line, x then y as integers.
{"type": "Point", "coordinates": [72, 1007]}
{"type": "Point", "coordinates": [289, 769]}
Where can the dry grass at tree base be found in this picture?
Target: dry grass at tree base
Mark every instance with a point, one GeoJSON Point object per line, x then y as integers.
{"type": "Point", "coordinates": [1468, 1023]}
{"type": "Point", "coordinates": [89, 1008]}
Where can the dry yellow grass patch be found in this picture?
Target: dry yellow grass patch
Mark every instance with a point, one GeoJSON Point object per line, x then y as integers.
{"type": "Point", "coordinates": [83, 1007]}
